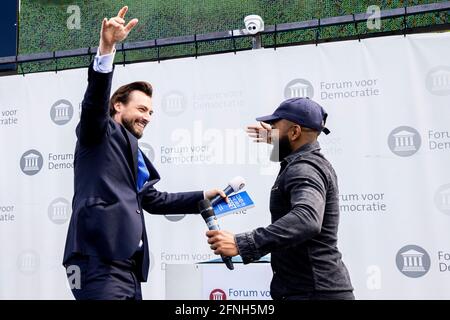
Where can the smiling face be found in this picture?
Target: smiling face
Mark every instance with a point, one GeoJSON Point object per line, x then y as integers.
{"type": "Point", "coordinates": [135, 114]}
{"type": "Point", "coordinates": [131, 106]}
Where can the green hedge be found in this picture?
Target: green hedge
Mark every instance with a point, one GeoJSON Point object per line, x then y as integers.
{"type": "Point", "coordinates": [43, 23]}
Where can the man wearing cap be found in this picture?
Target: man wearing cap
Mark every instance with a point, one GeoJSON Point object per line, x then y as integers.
{"type": "Point", "coordinates": [304, 205]}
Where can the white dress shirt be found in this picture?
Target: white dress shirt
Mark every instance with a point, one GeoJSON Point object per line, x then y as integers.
{"type": "Point", "coordinates": [104, 63]}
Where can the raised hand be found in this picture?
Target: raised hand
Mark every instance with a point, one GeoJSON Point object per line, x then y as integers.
{"type": "Point", "coordinates": [260, 133]}
{"type": "Point", "coordinates": [114, 30]}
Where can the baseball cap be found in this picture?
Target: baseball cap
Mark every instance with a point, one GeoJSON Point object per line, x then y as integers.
{"type": "Point", "coordinates": [302, 111]}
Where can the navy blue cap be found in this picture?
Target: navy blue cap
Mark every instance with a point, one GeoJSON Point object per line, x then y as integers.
{"type": "Point", "coordinates": [302, 111]}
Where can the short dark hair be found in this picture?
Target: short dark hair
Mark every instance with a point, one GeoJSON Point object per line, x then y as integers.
{"type": "Point", "coordinates": [123, 93]}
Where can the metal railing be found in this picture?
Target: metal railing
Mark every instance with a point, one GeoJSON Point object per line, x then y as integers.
{"type": "Point", "coordinates": [274, 30]}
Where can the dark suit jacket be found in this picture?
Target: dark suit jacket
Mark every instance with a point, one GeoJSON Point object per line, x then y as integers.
{"type": "Point", "coordinates": [107, 217]}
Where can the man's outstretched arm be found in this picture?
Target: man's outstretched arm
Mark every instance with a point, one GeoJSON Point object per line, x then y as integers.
{"type": "Point", "coordinates": [95, 105]}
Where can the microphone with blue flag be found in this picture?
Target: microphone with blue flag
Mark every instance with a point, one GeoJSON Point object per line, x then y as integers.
{"type": "Point", "coordinates": [218, 207]}
{"type": "Point", "coordinates": [210, 218]}
{"type": "Point", "coordinates": [235, 184]}
{"type": "Point", "coordinates": [237, 202]}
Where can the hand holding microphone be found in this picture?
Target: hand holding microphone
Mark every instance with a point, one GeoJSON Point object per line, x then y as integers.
{"type": "Point", "coordinates": [208, 215]}
{"type": "Point", "coordinates": [235, 184]}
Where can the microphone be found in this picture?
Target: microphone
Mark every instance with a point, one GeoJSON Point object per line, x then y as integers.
{"type": "Point", "coordinates": [235, 184]}
{"type": "Point", "coordinates": [207, 212]}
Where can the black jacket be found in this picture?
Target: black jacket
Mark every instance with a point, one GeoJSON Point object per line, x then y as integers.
{"type": "Point", "coordinates": [107, 217]}
{"type": "Point", "coordinates": [302, 238]}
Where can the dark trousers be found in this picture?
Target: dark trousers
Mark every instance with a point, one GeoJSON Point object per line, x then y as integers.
{"type": "Point", "coordinates": [343, 295]}
{"type": "Point", "coordinates": [101, 279]}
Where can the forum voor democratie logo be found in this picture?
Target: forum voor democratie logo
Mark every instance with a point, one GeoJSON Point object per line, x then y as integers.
{"type": "Point", "coordinates": [299, 88]}
{"type": "Point", "coordinates": [31, 162]}
{"type": "Point", "coordinates": [442, 199]}
{"type": "Point", "coordinates": [61, 112]}
{"type": "Point", "coordinates": [174, 217]}
{"type": "Point", "coordinates": [59, 211]}
{"type": "Point", "coordinates": [404, 141]}
{"type": "Point", "coordinates": [217, 294]}
{"type": "Point", "coordinates": [438, 81]}
{"type": "Point", "coordinates": [28, 262]}
{"type": "Point", "coordinates": [174, 103]}
{"type": "Point", "coordinates": [147, 150]}
{"type": "Point", "coordinates": [413, 261]}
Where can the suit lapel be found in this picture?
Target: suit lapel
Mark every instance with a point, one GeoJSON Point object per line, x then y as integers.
{"type": "Point", "coordinates": [132, 142]}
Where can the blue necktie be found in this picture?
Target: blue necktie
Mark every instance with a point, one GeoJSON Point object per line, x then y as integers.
{"type": "Point", "coordinates": [143, 174]}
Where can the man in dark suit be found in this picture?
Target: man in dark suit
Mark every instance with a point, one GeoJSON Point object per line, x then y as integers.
{"type": "Point", "coordinates": [106, 253]}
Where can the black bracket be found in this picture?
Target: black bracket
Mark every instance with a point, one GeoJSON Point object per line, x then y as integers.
{"type": "Point", "coordinates": [275, 35]}
{"type": "Point", "coordinates": [318, 33]}
{"type": "Point", "coordinates": [356, 27]}
{"type": "Point", "coordinates": [21, 68]}
{"type": "Point", "coordinates": [158, 56]}
{"type": "Point", "coordinates": [56, 61]}
{"type": "Point", "coordinates": [405, 21]}
{"type": "Point", "coordinates": [19, 65]}
{"type": "Point", "coordinates": [196, 46]}
{"type": "Point", "coordinates": [233, 40]}
{"type": "Point", "coordinates": [90, 54]}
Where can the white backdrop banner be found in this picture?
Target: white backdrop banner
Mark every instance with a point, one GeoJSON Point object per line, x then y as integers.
{"type": "Point", "coordinates": [388, 101]}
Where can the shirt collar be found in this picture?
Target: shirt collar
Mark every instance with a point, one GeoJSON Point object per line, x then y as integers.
{"type": "Point", "coordinates": [306, 148]}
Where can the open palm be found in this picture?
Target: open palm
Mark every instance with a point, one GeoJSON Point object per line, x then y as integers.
{"type": "Point", "coordinates": [261, 133]}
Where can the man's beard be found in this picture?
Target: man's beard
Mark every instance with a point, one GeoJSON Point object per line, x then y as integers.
{"type": "Point", "coordinates": [281, 149]}
{"type": "Point", "coordinates": [129, 125]}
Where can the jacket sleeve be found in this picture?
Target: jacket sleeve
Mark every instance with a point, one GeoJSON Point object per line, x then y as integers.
{"type": "Point", "coordinates": [307, 190]}
{"type": "Point", "coordinates": [95, 108]}
{"type": "Point", "coordinates": [157, 202]}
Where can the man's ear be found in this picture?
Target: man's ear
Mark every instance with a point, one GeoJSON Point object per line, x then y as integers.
{"type": "Point", "coordinates": [296, 132]}
{"type": "Point", "coordinates": [118, 106]}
